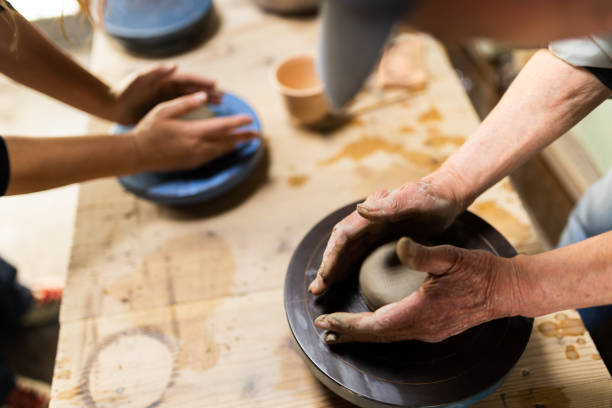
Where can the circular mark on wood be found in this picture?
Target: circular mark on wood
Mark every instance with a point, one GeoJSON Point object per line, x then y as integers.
{"type": "Point", "coordinates": [133, 368]}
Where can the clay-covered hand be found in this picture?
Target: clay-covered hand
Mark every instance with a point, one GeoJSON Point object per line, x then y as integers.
{"type": "Point", "coordinates": [422, 208]}
{"type": "Point", "coordinates": [139, 93]}
{"type": "Point", "coordinates": [164, 142]}
{"type": "Point", "coordinates": [464, 288]}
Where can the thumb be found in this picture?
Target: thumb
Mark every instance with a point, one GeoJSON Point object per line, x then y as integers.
{"type": "Point", "coordinates": [380, 206]}
{"type": "Point", "coordinates": [181, 105]}
{"type": "Point", "coordinates": [436, 260]}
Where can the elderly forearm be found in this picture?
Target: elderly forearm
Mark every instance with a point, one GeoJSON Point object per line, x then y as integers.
{"type": "Point", "coordinates": [42, 163]}
{"type": "Point", "coordinates": [575, 276]}
{"type": "Point", "coordinates": [546, 99]}
{"type": "Point", "coordinates": [37, 63]}
{"type": "Point", "coordinates": [525, 22]}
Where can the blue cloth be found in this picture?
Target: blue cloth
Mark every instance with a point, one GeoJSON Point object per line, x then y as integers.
{"type": "Point", "coordinates": [15, 300]}
{"type": "Point", "coordinates": [592, 216]}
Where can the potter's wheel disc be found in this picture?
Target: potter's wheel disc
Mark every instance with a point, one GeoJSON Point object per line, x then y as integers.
{"type": "Point", "coordinates": [208, 182]}
{"type": "Point", "coordinates": [411, 373]}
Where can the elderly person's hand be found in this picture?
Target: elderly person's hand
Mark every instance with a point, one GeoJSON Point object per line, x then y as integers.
{"type": "Point", "coordinates": [464, 288]}
{"type": "Point", "coordinates": [423, 208]}
{"type": "Point", "coordinates": [140, 92]}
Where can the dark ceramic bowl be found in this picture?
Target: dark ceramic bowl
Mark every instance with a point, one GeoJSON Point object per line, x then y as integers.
{"type": "Point", "coordinates": [457, 372]}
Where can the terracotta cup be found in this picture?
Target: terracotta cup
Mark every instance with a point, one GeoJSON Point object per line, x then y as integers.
{"type": "Point", "coordinates": [297, 80]}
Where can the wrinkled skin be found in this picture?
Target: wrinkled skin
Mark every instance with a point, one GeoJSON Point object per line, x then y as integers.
{"type": "Point", "coordinates": [464, 288]}
{"type": "Point", "coordinates": [141, 92]}
{"type": "Point", "coordinates": [418, 208]}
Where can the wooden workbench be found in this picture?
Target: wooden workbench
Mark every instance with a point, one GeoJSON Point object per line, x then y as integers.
{"type": "Point", "coordinates": [183, 308]}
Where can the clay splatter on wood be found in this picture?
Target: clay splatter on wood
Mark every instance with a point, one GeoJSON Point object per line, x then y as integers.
{"type": "Point", "coordinates": [297, 180]}
{"type": "Point", "coordinates": [562, 328]}
{"type": "Point", "coordinates": [571, 353]}
{"type": "Point", "coordinates": [435, 139]}
{"type": "Point", "coordinates": [369, 145]}
{"type": "Point", "coordinates": [432, 115]}
{"type": "Point", "coordinates": [504, 221]}
{"type": "Point", "coordinates": [192, 267]}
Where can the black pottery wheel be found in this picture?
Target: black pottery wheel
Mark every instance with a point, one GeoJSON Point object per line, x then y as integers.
{"type": "Point", "coordinates": [458, 371]}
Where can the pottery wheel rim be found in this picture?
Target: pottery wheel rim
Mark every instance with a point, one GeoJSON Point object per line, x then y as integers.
{"type": "Point", "coordinates": [344, 369]}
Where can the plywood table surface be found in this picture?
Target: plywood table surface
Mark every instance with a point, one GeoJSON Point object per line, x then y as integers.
{"type": "Point", "coordinates": [183, 308]}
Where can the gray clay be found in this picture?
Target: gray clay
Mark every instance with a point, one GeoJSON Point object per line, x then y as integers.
{"type": "Point", "coordinates": [200, 113]}
{"type": "Point", "coordinates": [383, 279]}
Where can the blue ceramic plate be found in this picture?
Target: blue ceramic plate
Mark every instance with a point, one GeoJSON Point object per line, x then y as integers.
{"type": "Point", "coordinates": [145, 19]}
{"type": "Point", "coordinates": [208, 182]}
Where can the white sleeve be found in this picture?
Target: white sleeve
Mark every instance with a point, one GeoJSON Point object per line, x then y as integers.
{"type": "Point", "coordinates": [591, 51]}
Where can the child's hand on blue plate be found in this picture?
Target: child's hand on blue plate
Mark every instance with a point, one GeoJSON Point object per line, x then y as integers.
{"type": "Point", "coordinates": [164, 142]}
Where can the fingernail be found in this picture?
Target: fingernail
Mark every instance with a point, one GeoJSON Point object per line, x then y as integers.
{"type": "Point", "coordinates": [372, 207]}
{"type": "Point", "coordinates": [330, 337]}
{"type": "Point", "coordinates": [312, 286]}
{"type": "Point", "coordinates": [404, 242]}
{"type": "Point", "coordinates": [322, 323]}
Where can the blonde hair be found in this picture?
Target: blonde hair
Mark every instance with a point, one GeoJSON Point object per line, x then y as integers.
{"type": "Point", "coordinates": [85, 6]}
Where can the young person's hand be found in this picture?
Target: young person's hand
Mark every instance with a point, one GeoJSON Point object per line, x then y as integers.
{"type": "Point", "coordinates": [163, 141]}
{"type": "Point", "coordinates": [142, 91]}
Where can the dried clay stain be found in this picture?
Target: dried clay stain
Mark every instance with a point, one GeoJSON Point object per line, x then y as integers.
{"type": "Point", "coordinates": [189, 268]}
{"type": "Point", "coordinates": [432, 115]}
{"type": "Point", "coordinates": [562, 326]}
{"type": "Point", "coordinates": [297, 180]}
{"type": "Point", "coordinates": [571, 353]}
{"type": "Point", "coordinates": [368, 145]}
{"type": "Point", "coordinates": [63, 375]}
{"type": "Point", "coordinates": [549, 397]}
{"type": "Point", "coordinates": [406, 129]}
{"type": "Point", "coordinates": [506, 222]}
{"type": "Point", "coordinates": [435, 138]}
{"type": "Point", "coordinates": [70, 394]}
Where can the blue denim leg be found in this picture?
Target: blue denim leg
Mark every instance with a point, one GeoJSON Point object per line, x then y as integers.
{"type": "Point", "coordinates": [592, 216]}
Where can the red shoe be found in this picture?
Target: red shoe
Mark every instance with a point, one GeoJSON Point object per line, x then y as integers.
{"type": "Point", "coordinates": [45, 308]}
{"type": "Point", "coordinates": [25, 395]}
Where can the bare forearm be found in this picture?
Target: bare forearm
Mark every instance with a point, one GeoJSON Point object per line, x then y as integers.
{"type": "Point", "coordinates": [571, 277]}
{"type": "Point", "coordinates": [42, 163]}
{"type": "Point", "coordinates": [37, 63]}
{"type": "Point", "coordinates": [547, 98]}
{"type": "Point", "coordinates": [524, 22]}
